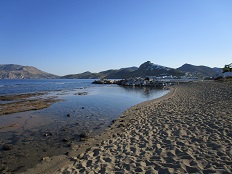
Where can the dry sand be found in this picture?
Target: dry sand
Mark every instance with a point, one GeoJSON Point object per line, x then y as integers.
{"type": "Point", "coordinates": [187, 131]}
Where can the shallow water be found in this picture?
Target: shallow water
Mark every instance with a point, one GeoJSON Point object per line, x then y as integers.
{"type": "Point", "coordinates": [50, 131]}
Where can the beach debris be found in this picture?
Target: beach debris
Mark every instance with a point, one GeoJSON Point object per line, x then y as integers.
{"type": "Point", "coordinates": [6, 147]}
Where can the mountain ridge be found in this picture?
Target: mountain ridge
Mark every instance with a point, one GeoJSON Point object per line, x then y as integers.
{"type": "Point", "coordinates": [199, 71]}
{"type": "Point", "coordinates": [14, 71]}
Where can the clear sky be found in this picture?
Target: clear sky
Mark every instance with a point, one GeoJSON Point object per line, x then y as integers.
{"type": "Point", "coordinates": [72, 36]}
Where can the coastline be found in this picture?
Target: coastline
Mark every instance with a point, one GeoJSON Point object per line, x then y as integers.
{"type": "Point", "coordinates": [187, 130]}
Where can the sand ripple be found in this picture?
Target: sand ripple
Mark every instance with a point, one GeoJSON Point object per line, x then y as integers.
{"type": "Point", "coordinates": [188, 132]}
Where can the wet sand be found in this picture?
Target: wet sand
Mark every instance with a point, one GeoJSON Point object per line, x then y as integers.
{"type": "Point", "coordinates": [187, 131]}
{"type": "Point", "coordinates": [25, 102]}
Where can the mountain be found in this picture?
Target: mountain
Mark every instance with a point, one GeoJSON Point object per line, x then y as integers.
{"type": "Point", "coordinates": [218, 70]}
{"type": "Point", "coordinates": [109, 74]}
{"type": "Point", "coordinates": [12, 71]}
{"type": "Point", "coordinates": [84, 75]}
{"type": "Point", "coordinates": [146, 69]}
{"type": "Point", "coordinates": [122, 73]}
{"type": "Point", "coordinates": [150, 69]}
{"type": "Point", "coordinates": [199, 71]}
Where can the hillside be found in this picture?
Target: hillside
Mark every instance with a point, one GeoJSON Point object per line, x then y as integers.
{"type": "Point", "coordinates": [12, 71]}
{"type": "Point", "coordinates": [110, 74]}
{"type": "Point", "coordinates": [199, 71]}
{"type": "Point", "coordinates": [150, 69]}
{"type": "Point", "coordinates": [146, 69]}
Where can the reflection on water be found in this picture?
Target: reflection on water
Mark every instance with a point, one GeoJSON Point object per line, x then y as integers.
{"type": "Point", "coordinates": [147, 93]}
{"type": "Point", "coordinates": [54, 128]}
{"type": "Point", "coordinates": [100, 106]}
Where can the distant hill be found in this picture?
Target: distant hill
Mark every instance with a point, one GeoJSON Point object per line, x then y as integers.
{"type": "Point", "coordinates": [109, 74]}
{"type": "Point", "coordinates": [146, 69]}
{"type": "Point", "coordinates": [218, 70]}
{"type": "Point", "coordinates": [84, 75]}
{"type": "Point", "coordinates": [151, 69]}
{"type": "Point", "coordinates": [122, 73]}
{"type": "Point", "coordinates": [199, 71]}
{"type": "Point", "coordinates": [12, 71]}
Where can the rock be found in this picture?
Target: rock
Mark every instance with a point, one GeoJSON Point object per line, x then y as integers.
{"type": "Point", "coordinates": [113, 121]}
{"type": "Point", "coordinates": [84, 135]}
{"type": "Point", "coordinates": [65, 140]}
{"type": "Point", "coordinates": [6, 147]}
{"type": "Point", "coordinates": [46, 159]}
{"type": "Point", "coordinates": [48, 134]}
{"type": "Point", "coordinates": [82, 93]}
{"type": "Point", "coordinates": [83, 108]}
{"type": "Point", "coordinates": [68, 115]}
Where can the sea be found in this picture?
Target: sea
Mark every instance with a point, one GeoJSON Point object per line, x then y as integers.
{"type": "Point", "coordinates": [59, 125]}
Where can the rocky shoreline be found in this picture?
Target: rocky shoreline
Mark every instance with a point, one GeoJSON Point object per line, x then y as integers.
{"type": "Point", "coordinates": [186, 131]}
{"type": "Point", "coordinates": [141, 82]}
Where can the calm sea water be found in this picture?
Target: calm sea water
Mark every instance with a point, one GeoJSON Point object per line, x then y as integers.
{"type": "Point", "coordinates": [27, 86]}
{"type": "Point", "coordinates": [101, 105]}
{"type": "Point", "coordinates": [92, 112]}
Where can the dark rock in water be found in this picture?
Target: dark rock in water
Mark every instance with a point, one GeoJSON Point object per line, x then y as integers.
{"type": "Point", "coordinates": [65, 140]}
{"type": "Point", "coordinates": [113, 121]}
{"type": "Point", "coordinates": [82, 93]}
{"type": "Point", "coordinates": [47, 134]}
{"type": "Point", "coordinates": [84, 135]}
{"type": "Point", "coordinates": [83, 108]}
{"type": "Point", "coordinates": [68, 115]}
{"type": "Point", "coordinates": [65, 129]}
{"type": "Point", "coordinates": [6, 147]}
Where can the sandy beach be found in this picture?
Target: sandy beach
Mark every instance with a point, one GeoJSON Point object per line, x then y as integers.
{"type": "Point", "coordinates": [187, 131]}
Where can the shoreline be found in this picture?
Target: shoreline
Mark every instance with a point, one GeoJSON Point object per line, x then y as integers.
{"type": "Point", "coordinates": [55, 163]}
{"type": "Point", "coordinates": [30, 137]}
{"type": "Point", "coordinates": [187, 130]}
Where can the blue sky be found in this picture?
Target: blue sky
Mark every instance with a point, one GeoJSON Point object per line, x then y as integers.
{"type": "Point", "coordinates": [72, 36]}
